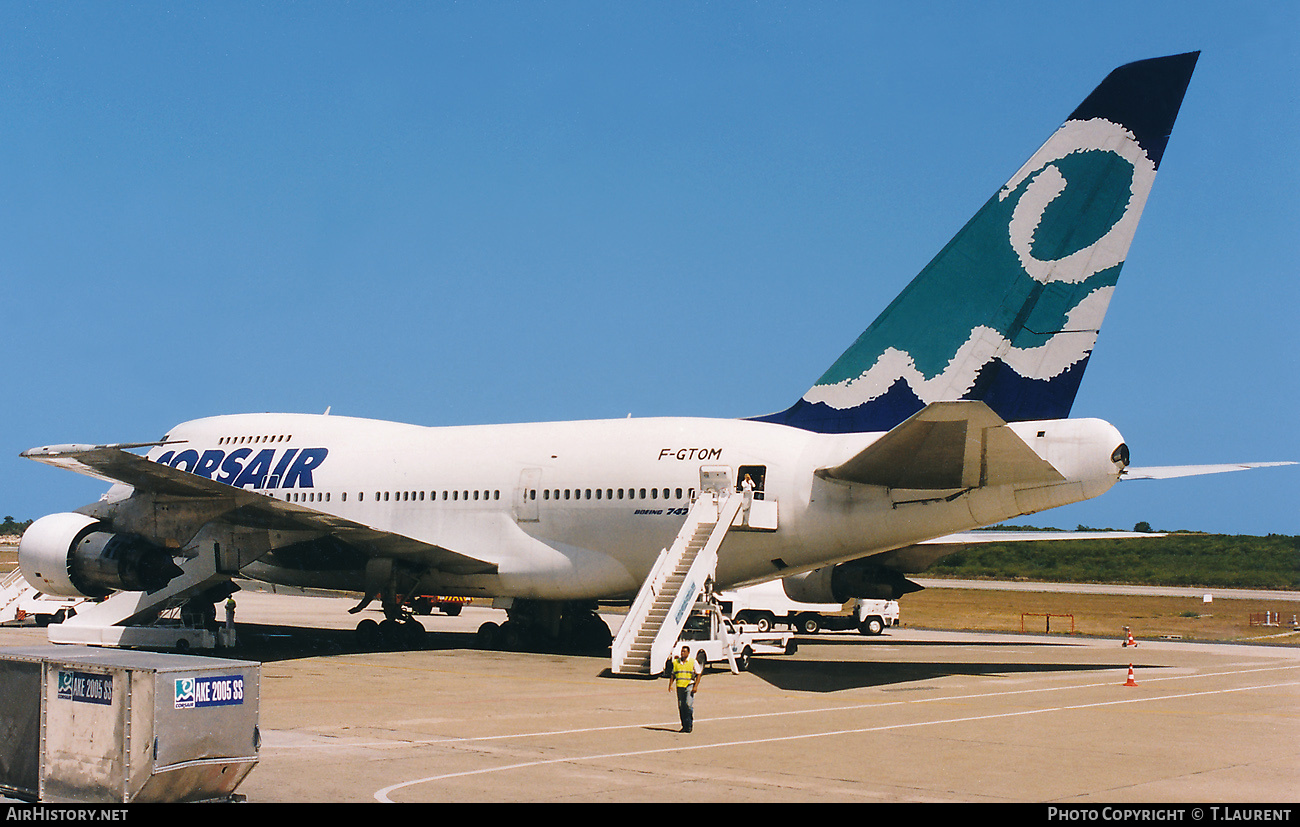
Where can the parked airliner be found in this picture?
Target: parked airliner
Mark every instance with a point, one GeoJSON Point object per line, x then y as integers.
{"type": "Point", "coordinates": [950, 412]}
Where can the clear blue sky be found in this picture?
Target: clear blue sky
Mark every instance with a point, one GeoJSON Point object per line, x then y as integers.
{"type": "Point", "coordinates": [449, 213]}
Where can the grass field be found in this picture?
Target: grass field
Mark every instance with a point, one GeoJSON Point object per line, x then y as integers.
{"type": "Point", "coordinates": [1097, 615]}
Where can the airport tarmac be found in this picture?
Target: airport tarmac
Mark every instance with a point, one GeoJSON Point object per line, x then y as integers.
{"type": "Point", "coordinates": [911, 716]}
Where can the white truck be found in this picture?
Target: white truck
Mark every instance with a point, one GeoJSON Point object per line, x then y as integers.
{"type": "Point", "coordinates": [767, 606]}
{"type": "Point", "coordinates": [714, 638]}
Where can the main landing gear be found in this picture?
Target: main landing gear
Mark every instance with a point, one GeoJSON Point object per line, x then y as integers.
{"type": "Point", "coordinates": [398, 630]}
{"type": "Point", "coordinates": [393, 584]}
{"type": "Point", "coordinates": [543, 625]}
{"type": "Point", "coordinates": [403, 632]}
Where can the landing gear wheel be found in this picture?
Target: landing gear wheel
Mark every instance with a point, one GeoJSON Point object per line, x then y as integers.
{"type": "Point", "coordinates": [390, 634]}
{"type": "Point", "coordinates": [487, 635]}
{"type": "Point", "coordinates": [512, 636]}
{"type": "Point", "coordinates": [413, 633]}
{"type": "Point", "coordinates": [368, 636]}
{"type": "Point", "coordinates": [593, 634]}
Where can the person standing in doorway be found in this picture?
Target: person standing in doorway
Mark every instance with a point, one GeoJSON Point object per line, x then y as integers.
{"type": "Point", "coordinates": [684, 675]}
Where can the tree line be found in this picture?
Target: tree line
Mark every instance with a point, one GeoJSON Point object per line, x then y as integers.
{"type": "Point", "coordinates": [10, 527]}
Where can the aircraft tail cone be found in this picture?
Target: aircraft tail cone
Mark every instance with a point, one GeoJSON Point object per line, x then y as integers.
{"type": "Point", "coordinates": [1130, 681]}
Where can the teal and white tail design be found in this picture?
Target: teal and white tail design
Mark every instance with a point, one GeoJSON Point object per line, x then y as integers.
{"type": "Point", "coordinates": [1009, 310]}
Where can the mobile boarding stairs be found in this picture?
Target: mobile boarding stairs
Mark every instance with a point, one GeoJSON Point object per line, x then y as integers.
{"type": "Point", "coordinates": [657, 617]}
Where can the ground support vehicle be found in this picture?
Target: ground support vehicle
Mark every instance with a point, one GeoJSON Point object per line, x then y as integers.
{"type": "Point", "coordinates": [426, 604]}
{"type": "Point", "coordinates": [767, 606]}
{"type": "Point", "coordinates": [715, 638]}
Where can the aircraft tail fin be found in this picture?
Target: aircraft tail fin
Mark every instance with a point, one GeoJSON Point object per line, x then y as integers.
{"type": "Point", "coordinates": [1008, 312]}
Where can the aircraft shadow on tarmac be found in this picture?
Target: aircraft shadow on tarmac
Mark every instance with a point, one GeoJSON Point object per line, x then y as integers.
{"type": "Point", "coordinates": [268, 644]}
{"type": "Point", "coordinates": [850, 640]}
{"type": "Point", "coordinates": [835, 676]}
{"type": "Point", "coordinates": [276, 643]}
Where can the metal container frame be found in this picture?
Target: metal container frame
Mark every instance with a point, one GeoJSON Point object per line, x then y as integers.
{"type": "Point", "coordinates": [84, 724]}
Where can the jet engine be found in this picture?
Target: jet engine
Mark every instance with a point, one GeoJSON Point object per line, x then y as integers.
{"type": "Point", "coordinates": [857, 578]}
{"type": "Point", "coordinates": [72, 555]}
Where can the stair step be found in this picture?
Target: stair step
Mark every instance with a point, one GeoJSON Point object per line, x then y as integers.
{"type": "Point", "coordinates": [638, 642]}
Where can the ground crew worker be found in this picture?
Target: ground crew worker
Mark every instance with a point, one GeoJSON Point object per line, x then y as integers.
{"type": "Point", "coordinates": [684, 676]}
{"type": "Point", "coordinates": [230, 613]}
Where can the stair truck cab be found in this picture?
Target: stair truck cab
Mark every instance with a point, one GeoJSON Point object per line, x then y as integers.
{"type": "Point", "coordinates": [715, 638]}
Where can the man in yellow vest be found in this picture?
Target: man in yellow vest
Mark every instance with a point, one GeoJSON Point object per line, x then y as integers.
{"type": "Point", "coordinates": [684, 674]}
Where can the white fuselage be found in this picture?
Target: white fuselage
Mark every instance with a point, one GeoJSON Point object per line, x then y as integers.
{"type": "Point", "coordinates": [579, 510]}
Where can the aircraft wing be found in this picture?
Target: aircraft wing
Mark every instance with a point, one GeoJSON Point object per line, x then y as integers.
{"type": "Point", "coordinates": [1167, 472]}
{"type": "Point", "coordinates": [114, 463]}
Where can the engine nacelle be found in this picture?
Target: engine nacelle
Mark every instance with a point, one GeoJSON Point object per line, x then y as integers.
{"type": "Point", "coordinates": [857, 578]}
{"type": "Point", "coordinates": [72, 555]}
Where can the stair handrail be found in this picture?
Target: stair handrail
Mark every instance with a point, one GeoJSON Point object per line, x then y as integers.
{"type": "Point", "coordinates": [665, 564]}
{"type": "Point", "coordinates": [701, 570]}
{"type": "Point", "coordinates": [640, 607]}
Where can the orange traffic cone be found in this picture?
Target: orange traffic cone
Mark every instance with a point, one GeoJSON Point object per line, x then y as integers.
{"type": "Point", "coordinates": [1130, 641]}
{"type": "Point", "coordinates": [1130, 682]}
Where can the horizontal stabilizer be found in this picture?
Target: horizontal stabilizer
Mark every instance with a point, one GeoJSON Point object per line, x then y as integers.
{"type": "Point", "coordinates": [1168, 472]}
{"type": "Point", "coordinates": [947, 445]}
{"type": "Point", "coordinates": [971, 538]}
